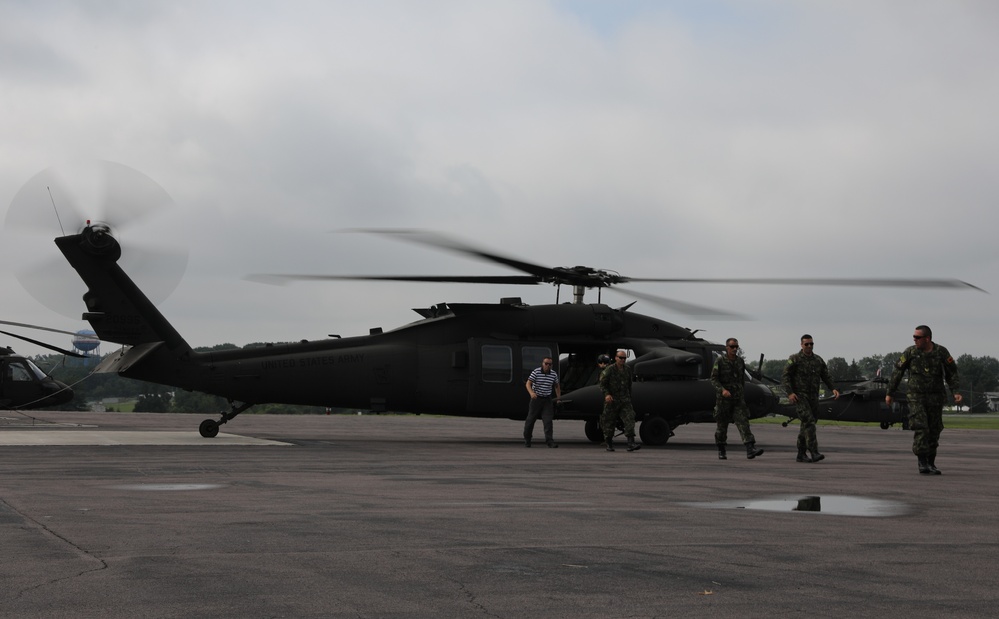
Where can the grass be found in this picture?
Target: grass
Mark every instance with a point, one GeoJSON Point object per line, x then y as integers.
{"type": "Point", "coordinates": [956, 421]}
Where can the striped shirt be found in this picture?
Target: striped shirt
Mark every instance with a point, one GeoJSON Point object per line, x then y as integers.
{"type": "Point", "coordinates": [542, 383]}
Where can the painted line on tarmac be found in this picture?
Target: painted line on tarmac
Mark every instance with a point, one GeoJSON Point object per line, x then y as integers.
{"type": "Point", "coordinates": [125, 437]}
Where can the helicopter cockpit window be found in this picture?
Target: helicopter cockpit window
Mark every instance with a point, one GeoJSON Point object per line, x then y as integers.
{"type": "Point", "coordinates": [497, 364]}
{"type": "Point", "coordinates": [39, 374]}
{"type": "Point", "coordinates": [19, 373]}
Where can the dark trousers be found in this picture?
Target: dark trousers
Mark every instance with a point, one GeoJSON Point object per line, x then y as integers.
{"type": "Point", "coordinates": [540, 407]}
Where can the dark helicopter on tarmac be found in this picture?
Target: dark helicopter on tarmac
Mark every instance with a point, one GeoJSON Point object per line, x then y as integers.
{"type": "Point", "coordinates": [458, 359]}
{"type": "Point", "coordinates": [860, 401]}
{"type": "Point", "coordinates": [23, 385]}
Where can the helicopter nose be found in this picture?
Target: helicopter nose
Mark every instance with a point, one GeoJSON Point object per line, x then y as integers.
{"type": "Point", "coordinates": [59, 393]}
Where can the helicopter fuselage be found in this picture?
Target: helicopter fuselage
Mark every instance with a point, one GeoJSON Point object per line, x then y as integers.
{"type": "Point", "coordinates": [459, 359]}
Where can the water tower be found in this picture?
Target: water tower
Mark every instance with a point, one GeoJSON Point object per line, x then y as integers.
{"type": "Point", "coordinates": [86, 342]}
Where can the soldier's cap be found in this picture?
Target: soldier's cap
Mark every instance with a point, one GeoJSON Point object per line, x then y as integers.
{"type": "Point", "coordinates": [603, 359]}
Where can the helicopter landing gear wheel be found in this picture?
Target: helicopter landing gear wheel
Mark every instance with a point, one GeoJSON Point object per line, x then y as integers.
{"type": "Point", "coordinates": [655, 431]}
{"type": "Point", "coordinates": [209, 428]}
{"type": "Point", "coordinates": [885, 425]}
{"type": "Point", "coordinates": [593, 431]}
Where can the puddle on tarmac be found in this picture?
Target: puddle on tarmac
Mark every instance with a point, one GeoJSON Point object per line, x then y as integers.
{"type": "Point", "coordinates": [168, 487]}
{"type": "Point", "coordinates": [836, 505]}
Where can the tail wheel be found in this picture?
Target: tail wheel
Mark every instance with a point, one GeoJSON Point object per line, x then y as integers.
{"type": "Point", "coordinates": [209, 428]}
{"type": "Point", "coordinates": [655, 431]}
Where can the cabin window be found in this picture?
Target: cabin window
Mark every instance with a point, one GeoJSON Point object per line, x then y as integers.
{"type": "Point", "coordinates": [497, 364]}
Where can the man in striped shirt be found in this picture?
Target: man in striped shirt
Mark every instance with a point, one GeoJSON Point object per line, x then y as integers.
{"type": "Point", "coordinates": [542, 384]}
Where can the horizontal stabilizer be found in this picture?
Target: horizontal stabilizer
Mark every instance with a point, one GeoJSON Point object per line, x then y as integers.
{"type": "Point", "coordinates": [126, 359]}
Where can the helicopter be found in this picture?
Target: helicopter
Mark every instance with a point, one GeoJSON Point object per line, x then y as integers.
{"type": "Point", "coordinates": [23, 385]}
{"type": "Point", "coordinates": [860, 401]}
{"type": "Point", "coordinates": [462, 359]}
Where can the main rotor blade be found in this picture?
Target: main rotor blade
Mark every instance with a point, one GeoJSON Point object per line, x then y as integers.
{"type": "Point", "coordinates": [25, 325]}
{"type": "Point", "coordinates": [819, 281]}
{"type": "Point", "coordinates": [44, 345]}
{"type": "Point", "coordinates": [689, 309]}
{"type": "Point", "coordinates": [284, 278]}
{"type": "Point", "coordinates": [434, 239]}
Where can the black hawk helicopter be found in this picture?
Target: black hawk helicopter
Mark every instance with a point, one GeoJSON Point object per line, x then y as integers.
{"type": "Point", "coordinates": [860, 401]}
{"type": "Point", "coordinates": [458, 359]}
{"type": "Point", "coordinates": [23, 385]}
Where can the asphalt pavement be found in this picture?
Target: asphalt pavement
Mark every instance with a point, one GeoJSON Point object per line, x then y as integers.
{"type": "Point", "coordinates": [119, 515]}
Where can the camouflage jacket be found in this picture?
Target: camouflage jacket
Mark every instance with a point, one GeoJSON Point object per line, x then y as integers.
{"type": "Point", "coordinates": [729, 374]}
{"type": "Point", "coordinates": [803, 373]}
{"type": "Point", "coordinates": [616, 383]}
{"type": "Point", "coordinates": [927, 371]}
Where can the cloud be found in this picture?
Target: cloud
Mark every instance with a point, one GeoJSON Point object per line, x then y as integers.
{"type": "Point", "coordinates": [709, 139]}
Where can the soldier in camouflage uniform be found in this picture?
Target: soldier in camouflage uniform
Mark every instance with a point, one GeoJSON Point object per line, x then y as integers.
{"type": "Point", "coordinates": [615, 382]}
{"type": "Point", "coordinates": [729, 378]}
{"type": "Point", "coordinates": [929, 364]}
{"type": "Point", "coordinates": [802, 375]}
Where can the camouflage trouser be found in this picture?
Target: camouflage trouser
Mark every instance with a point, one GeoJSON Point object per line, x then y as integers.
{"type": "Point", "coordinates": [808, 410]}
{"type": "Point", "coordinates": [732, 410]}
{"type": "Point", "coordinates": [926, 421]}
{"type": "Point", "coordinates": [618, 409]}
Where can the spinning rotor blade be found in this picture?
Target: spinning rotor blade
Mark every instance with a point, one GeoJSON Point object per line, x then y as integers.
{"type": "Point", "coordinates": [284, 278]}
{"type": "Point", "coordinates": [582, 277]}
{"type": "Point", "coordinates": [819, 281]}
{"type": "Point", "coordinates": [597, 278]}
{"type": "Point", "coordinates": [68, 353]}
{"type": "Point", "coordinates": [433, 239]}
{"type": "Point", "coordinates": [25, 325]}
{"type": "Point", "coordinates": [61, 201]}
{"type": "Point", "coordinates": [689, 309]}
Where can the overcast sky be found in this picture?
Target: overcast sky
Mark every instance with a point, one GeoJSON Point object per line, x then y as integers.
{"type": "Point", "coordinates": [758, 138]}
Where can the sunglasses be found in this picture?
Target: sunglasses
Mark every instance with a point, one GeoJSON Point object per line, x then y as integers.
{"type": "Point", "coordinates": [918, 337]}
{"type": "Point", "coordinates": [620, 357]}
{"type": "Point", "coordinates": [733, 345]}
{"type": "Point", "coordinates": [809, 344]}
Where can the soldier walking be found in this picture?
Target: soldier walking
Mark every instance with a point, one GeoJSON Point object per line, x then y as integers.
{"type": "Point", "coordinates": [728, 375]}
{"type": "Point", "coordinates": [802, 375]}
{"type": "Point", "coordinates": [929, 365]}
{"type": "Point", "coordinates": [615, 382]}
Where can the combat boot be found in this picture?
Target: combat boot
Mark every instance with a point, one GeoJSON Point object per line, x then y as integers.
{"type": "Point", "coordinates": [802, 457]}
{"type": "Point", "coordinates": [816, 456]}
{"type": "Point", "coordinates": [752, 451]}
{"type": "Point", "coordinates": [924, 466]}
{"type": "Point", "coordinates": [721, 452]}
{"type": "Point", "coordinates": [931, 460]}
{"type": "Point", "coordinates": [610, 444]}
{"type": "Point", "coordinates": [632, 445]}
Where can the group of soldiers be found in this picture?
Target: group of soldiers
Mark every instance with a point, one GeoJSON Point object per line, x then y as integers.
{"type": "Point", "coordinates": [929, 365]}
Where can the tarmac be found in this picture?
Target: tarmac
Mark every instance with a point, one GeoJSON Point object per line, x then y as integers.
{"type": "Point", "coordinates": [118, 515]}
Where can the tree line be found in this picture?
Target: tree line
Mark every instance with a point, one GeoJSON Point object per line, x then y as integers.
{"type": "Point", "coordinates": [979, 375]}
